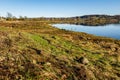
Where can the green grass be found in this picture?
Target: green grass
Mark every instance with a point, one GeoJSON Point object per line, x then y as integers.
{"type": "Point", "coordinates": [49, 53]}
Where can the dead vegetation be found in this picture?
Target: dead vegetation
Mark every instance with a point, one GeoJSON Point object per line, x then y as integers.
{"type": "Point", "coordinates": [37, 51]}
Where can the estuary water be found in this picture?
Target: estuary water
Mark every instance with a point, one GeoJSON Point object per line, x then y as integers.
{"type": "Point", "coordinates": [111, 30]}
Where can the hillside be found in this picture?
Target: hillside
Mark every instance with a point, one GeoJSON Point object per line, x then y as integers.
{"type": "Point", "coordinates": [38, 51]}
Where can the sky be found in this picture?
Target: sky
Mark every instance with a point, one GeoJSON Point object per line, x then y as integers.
{"type": "Point", "coordinates": [59, 8]}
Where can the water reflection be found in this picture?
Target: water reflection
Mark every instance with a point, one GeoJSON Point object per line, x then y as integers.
{"type": "Point", "coordinates": [110, 30]}
{"type": "Point", "coordinates": [93, 25]}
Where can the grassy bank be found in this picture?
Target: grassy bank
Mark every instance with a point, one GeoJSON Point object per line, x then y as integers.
{"type": "Point", "coordinates": [38, 51]}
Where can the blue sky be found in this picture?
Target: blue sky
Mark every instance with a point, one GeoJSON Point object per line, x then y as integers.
{"type": "Point", "coordinates": [59, 8]}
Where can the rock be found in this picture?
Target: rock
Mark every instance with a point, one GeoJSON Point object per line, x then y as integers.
{"type": "Point", "coordinates": [64, 76]}
{"type": "Point", "coordinates": [48, 64]}
{"type": "Point", "coordinates": [88, 38]}
{"type": "Point", "coordinates": [113, 49]}
{"type": "Point", "coordinates": [83, 60]}
{"type": "Point", "coordinates": [34, 61]}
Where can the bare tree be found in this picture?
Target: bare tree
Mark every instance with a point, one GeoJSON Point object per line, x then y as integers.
{"type": "Point", "coordinates": [9, 15]}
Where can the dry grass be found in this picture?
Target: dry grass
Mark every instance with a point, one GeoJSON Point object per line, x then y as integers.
{"type": "Point", "coordinates": [37, 51]}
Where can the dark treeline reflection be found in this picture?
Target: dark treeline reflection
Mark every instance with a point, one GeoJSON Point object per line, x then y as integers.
{"type": "Point", "coordinates": [89, 25]}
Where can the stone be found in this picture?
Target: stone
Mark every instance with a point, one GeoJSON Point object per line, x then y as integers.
{"type": "Point", "coordinates": [113, 49]}
{"type": "Point", "coordinates": [48, 64]}
{"type": "Point", "coordinates": [34, 61]}
{"type": "Point", "coordinates": [83, 60]}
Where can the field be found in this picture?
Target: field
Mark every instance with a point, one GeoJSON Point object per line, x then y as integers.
{"type": "Point", "coordinates": [37, 51]}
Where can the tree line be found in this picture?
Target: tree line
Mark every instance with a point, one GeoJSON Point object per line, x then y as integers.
{"type": "Point", "coordinates": [82, 20]}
